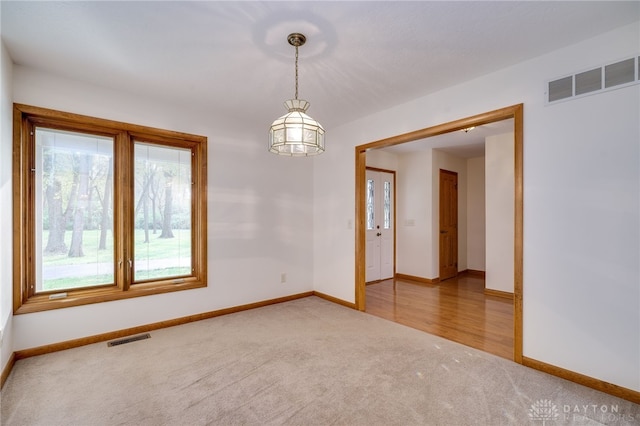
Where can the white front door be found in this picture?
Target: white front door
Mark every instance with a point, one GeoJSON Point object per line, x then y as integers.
{"type": "Point", "coordinates": [379, 222]}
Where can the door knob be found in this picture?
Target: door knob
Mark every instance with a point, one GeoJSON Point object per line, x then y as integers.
{"type": "Point", "coordinates": [378, 234]}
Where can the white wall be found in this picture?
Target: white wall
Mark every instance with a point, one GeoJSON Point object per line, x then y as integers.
{"type": "Point", "coordinates": [260, 221]}
{"type": "Point", "coordinates": [476, 235]}
{"type": "Point", "coordinates": [414, 216]}
{"type": "Point", "coordinates": [500, 234]}
{"type": "Point", "coordinates": [581, 204]}
{"type": "Point", "coordinates": [382, 160]}
{"type": "Point", "coordinates": [6, 113]}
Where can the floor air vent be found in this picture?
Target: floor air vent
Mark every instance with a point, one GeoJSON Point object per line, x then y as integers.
{"type": "Point", "coordinates": [129, 339]}
{"type": "Point", "coordinates": [607, 77]}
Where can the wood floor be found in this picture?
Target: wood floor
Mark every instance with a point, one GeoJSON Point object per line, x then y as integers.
{"type": "Point", "coordinates": [456, 309]}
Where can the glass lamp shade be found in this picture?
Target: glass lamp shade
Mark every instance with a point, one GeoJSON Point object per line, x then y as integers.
{"type": "Point", "coordinates": [295, 133]}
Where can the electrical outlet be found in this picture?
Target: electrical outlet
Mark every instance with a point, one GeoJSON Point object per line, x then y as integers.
{"type": "Point", "coordinates": [283, 277]}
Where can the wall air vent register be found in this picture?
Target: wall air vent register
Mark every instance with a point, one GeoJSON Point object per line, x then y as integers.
{"type": "Point", "coordinates": [607, 77]}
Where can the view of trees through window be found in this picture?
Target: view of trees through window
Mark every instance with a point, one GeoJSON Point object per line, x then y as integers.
{"type": "Point", "coordinates": [74, 197]}
{"type": "Point", "coordinates": [162, 211]}
{"type": "Point", "coordinates": [74, 175]}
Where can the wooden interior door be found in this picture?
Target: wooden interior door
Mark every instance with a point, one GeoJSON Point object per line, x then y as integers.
{"type": "Point", "coordinates": [448, 224]}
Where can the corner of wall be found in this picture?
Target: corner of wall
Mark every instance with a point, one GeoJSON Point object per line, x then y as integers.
{"type": "Point", "coordinates": [6, 113]}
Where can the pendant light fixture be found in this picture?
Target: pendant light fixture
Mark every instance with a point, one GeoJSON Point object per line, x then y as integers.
{"type": "Point", "coordinates": [295, 133]}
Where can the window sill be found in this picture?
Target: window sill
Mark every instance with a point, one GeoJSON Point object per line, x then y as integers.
{"type": "Point", "coordinates": [41, 303]}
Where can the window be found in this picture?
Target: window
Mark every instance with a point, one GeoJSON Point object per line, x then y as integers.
{"type": "Point", "coordinates": [104, 210]}
{"type": "Point", "coordinates": [387, 205]}
{"type": "Point", "coordinates": [371, 220]}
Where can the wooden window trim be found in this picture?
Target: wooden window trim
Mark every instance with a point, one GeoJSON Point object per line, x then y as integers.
{"type": "Point", "coordinates": [24, 119]}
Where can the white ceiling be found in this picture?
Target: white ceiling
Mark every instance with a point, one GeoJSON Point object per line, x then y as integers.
{"type": "Point", "coordinates": [232, 58]}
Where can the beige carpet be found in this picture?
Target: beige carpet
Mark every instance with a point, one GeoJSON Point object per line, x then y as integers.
{"type": "Point", "coordinates": [305, 362]}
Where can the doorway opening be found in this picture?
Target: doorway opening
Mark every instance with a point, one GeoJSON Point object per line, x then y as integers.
{"type": "Point", "coordinates": [513, 112]}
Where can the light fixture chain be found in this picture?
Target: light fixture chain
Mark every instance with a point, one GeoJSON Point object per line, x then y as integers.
{"type": "Point", "coordinates": [296, 72]}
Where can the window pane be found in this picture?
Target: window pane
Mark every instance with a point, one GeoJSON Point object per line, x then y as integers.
{"type": "Point", "coordinates": [387, 205]}
{"type": "Point", "coordinates": [162, 216]}
{"type": "Point", "coordinates": [370, 204]}
{"type": "Point", "coordinates": [74, 210]}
